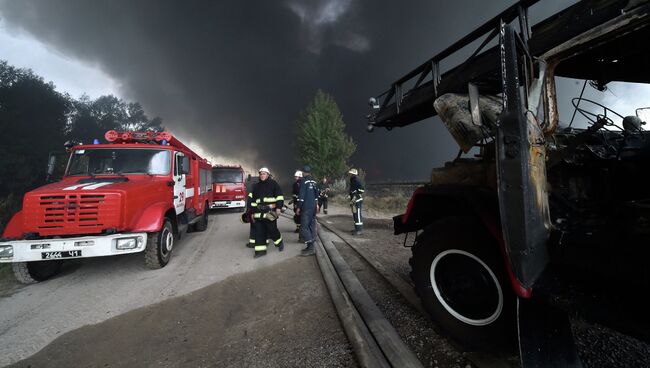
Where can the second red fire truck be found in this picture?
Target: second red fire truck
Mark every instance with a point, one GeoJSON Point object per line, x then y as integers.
{"type": "Point", "coordinates": [138, 193]}
{"type": "Point", "coordinates": [229, 190]}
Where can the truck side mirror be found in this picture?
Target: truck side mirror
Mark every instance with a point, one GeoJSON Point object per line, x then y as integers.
{"type": "Point", "coordinates": [55, 165]}
{"type": "Point", "coordinates": [51, 163]}
{"type": "Point", "coordinates": [185, 165]}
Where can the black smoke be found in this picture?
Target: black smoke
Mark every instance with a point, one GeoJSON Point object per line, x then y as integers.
{"type": "Point", "coordinates": [232, 76]}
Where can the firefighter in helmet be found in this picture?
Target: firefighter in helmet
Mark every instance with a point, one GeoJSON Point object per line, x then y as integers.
{"type": "Point", "coordinates": [356, 201]}
{"type": "Point", "coordinates": [294, 199]}
{"type": "Point", "coordinates": [266, 202]}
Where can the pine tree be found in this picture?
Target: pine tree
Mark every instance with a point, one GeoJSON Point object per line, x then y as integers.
{"type": "Point", "coordinates": [322, 141]}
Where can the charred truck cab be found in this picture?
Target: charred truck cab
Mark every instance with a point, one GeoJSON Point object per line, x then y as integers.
{"type": "Point", "coordinates": [541, 209]}
{"type": "Point", "coordinates": [229, 189]}
{"type": "Point", "coordinates": [137, 193]}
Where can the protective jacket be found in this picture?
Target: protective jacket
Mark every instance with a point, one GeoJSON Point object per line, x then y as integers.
{"type": "Point", "coordinates": [265, 198]}
{"type": "Point", "coordinates": [356, 190]}
{"type": "Point", "coordinates": [324, 190]}
{"type": "Point", "coordinates": [296, 190]}
{"type": "Point", "coordinates": [308, 194]}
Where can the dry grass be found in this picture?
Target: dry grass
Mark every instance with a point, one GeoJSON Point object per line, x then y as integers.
{"type": "Point", "coordinates": [382, 201]}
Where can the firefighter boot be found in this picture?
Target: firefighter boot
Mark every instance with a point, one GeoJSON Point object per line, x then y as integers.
{"type": "Point", "coordinates": [281, 246]}
{"type": "Point", "coordinates": [325, 211]}
{"type": "Point", "coordinates": [309, 249]}
{"type": "Point", "coordinates": [358, 230]}
{"type": "Point", "coordinates": [259, 254]}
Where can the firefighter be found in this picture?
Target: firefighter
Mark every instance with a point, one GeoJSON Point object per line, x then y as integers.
{"type": "Point", "coordinates": [248, 214]}
{"type": "Point", "coordinates": [294, 200]}
{"type": "Point", "coordinates": [356, 201]}
{"type": "Point", "coordinates": [247, 217]}
{"type": "Point", "coordinates": [266, 203]}
{"type": "Point", "coordinates": [307, 200]}
{"type": "Point", "coordinates": [323, 195]}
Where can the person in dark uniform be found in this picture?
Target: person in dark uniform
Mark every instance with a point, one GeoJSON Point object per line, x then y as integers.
{"type": "Point", "coordinates": [250, 184]}
{"type": "Point", "coordinates": [294, 200]}
{"type": "Point", "coordinates": [324, 188]}
{"type": "Point", "coordinates": [356, 201]}
{"type": "Point", "coordinates": [307, 199]}
{"type": "Point", "coordinates": [266, 203]}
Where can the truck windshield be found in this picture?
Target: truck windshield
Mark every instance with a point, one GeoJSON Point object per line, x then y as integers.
{"type": "Point", "coordinates": [227, 176]}
{"type": "Point", "coordinates": [98, 161]}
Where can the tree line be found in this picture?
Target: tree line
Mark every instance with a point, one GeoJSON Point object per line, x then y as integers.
{"type": "Point", "coordinates": [35, 120]}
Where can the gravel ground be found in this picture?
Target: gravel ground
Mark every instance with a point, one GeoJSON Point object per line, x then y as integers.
{"type": "Point", "coordinates": [416, 330]}
{"type": "Point", "coordinates": [598, 346]}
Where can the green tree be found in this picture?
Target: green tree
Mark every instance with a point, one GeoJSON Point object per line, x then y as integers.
{"type": "Point", "coordinates": [32, 121]}
{"type": "Point", "coordinates": [90, 119]}
{"type": "Point", "coordinates": [322, 141]}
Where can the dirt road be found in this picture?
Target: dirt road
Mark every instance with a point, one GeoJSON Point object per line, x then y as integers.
{"type": "Point", "coordinates": [290, 298]}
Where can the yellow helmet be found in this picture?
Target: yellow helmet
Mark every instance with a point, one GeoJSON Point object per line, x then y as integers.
{"type": "Point", "coordinates": [353, 172]}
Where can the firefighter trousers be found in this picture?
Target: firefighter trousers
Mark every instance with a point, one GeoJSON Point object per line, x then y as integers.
{"type": "Point", "coordinates": [265, 229]}
{"type": "Point", "coordinates": [356, 215]}
{"type": "Point", "coordinates": [308, 228]}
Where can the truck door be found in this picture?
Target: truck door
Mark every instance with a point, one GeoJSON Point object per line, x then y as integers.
{"type": "Point", "coordinates": [521, 155]}
{"type": "Point", "coordinates": [179, 183]}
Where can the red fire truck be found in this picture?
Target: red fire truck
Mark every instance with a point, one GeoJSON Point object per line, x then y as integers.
{"type": "Point", "coordinates": [137, 193]}
{"type": "Point", "coordinates": [229, 190]}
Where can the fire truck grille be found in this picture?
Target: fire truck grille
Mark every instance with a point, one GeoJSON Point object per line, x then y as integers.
{"type": "Point", "coordinates": [72, 213]}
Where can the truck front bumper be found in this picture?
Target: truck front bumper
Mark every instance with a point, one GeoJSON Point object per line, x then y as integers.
{"type": "Point", "coordinates": [228, 204]}
{"type": "Point", "coordinates": [81, 247]}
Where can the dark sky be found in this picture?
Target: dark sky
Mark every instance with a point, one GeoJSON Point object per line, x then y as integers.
{"type": "Point", "coordinates": [233, 75]}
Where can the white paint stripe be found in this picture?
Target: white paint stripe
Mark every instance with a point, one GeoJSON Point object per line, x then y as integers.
{"type": "Point", "coordinates": [95, 186]}
{"type": "Point", "coordinates": [189, 193]}
{"type": "Point", "coordinates": [73, 187]}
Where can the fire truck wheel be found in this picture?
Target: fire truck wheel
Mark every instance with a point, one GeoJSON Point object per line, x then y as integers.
{"type": "Point", "coordinates": [202, 224]}
{"type": "Point", "coordinates": [159, 246]}
{"type": "Point", "coordinates": [460, 278]}
{"type": "Point", "coordinates": [33, 272]}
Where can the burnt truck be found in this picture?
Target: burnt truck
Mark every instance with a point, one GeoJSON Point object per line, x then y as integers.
{"type": "Point", "coordinates": [137, 193]}
{"type": "Point", "coordinates": [537, 219]}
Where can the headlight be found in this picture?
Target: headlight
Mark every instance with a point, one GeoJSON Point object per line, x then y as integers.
{"type": "Point", "coordinates": [6, 251]}
{"type": "Point", "coordinates": [129, 243]}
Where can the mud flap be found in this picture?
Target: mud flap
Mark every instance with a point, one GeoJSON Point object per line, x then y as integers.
{"type": "Point", "coordinates": [545, 338]}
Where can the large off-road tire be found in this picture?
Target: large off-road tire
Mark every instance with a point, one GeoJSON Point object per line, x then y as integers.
{"type": "Point", "coordinates": [33, 272]}
{"type": "Point", "coordinates": [159, 247]}
{"type": "Point", "coordinates": [460, 278]}
{"type": "Point", "coordinates": [202, 224]}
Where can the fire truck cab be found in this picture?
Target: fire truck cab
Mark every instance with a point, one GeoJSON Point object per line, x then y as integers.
{"type": "Point", "coordinates": [137, 193]}
{"type": "Point", "coordinates": [228, 187]}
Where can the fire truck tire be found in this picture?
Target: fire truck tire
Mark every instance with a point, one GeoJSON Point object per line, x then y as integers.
{"type": "Point", "coordinates": [159, 247]}
{"type": "Point", "coordinates": [33, 272]}
{"type": "Point", "coordinates": [202, 224]}
{"type": "Point", "coordinates": [460, 278]}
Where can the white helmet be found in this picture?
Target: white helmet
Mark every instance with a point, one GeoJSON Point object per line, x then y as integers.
{"type": "Point", "coordinates": [264, 169]}
{"type": "Point", "coordinates": [353, 172]}
{"type": "Point", "coordinates": [298, 173]}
